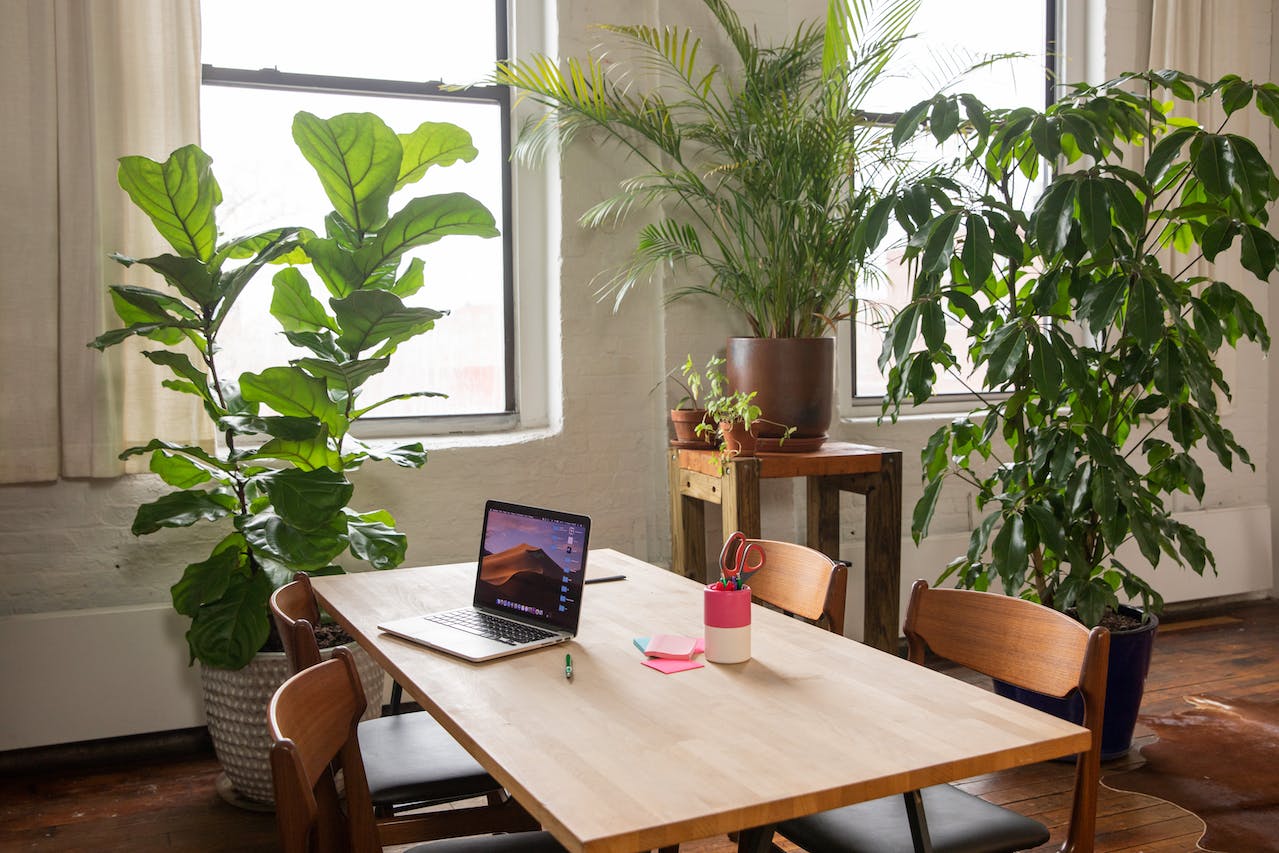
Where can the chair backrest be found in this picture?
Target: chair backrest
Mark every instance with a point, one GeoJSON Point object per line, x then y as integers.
{"type": "Point", "coordinates": [1028, 645]}
{"type": "Point", "coordinates": [312, 719]}
{"type": "Point", "coordinates": [296, 613]}
{"type": "Point", "coordinates": [801, 581]}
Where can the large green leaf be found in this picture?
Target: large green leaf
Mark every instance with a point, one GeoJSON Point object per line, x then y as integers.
{"type": "Point", "coordinates": [1053, 216]}
{"type": "Point", "coordinates": [1257, 251]}
{"type": "Point", "coordinates": [978, 252]}
{"type": "Point", "coordinates": [370, 317]}
{"type": "Point", "coordinates": [1165, 152]}
{"type": "Point", "coordinates": [358, 160]}
{"type": "Point", "coordinates": [336, 266]}
{"type": "Point", "coordinates": [306, 500]}
{"type": "Point", "coordinates": [213, 463]}
{"type": "Point", "coordinates": [410, 395]}
{"type": "Point", "coordinates": [278, 426]}
{"type": "Point", "coordinates": [189, 276]}
{"type": "Point", "coordinates": [183, 369]}
{"type": "Point", "coordinates": [179, 195]}
{"type": "Point", "coordinates": [181, 471]}
{"type": "Point", "coordinates": [406, 456]}
{"type": "Point", "coordinates": [303, 550]}
{"type": "Point", "coordinates": [294, 306]}
{"type": "Point", "coordinates": [1145, 317]}
{"type": "Point", "coordinates": [142, 304]}
{"type": "Point", "coordinates": [291, 391]}
{"type": "Point", "coordinates": [228, 632]}
{"type": "Point", "coordinates": [206, 581]}
{"type": "Point", "coordinates": [433, 143]}
{"type": "Point", "coordinates": [307, 454]}
{"type": "Point", "coordinates": [939, 243]}
{"type": "Point", "coordinates": [425, 220]}
{"type": "Point", "coordinates": [345, 376]}
{"type": "Point", "coordinates": [1094, 213]}
{"type": "Point", "coordinates": [1231, 165]}
{"type": "Point", "coordinates": [381, 546]}
{"type": "Point", "coordinates": [181, 509]}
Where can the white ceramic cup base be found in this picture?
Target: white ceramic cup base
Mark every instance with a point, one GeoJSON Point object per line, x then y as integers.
{"type": "Point", "coordinates": [728, 645]}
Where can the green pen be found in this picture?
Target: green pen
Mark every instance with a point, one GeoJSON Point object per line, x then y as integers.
{"type": "Point", "coordinates": [568, 667]}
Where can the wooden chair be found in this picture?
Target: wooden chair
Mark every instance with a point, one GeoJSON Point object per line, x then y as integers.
{"type": "Point", "coordinates": [1010, 639]}
{"type": "Point", "coordinates": [410, 760]}
{"type": "Point", "coordinates": [801, 581]}
{"type": "Point", "coordinates": [313, 719]}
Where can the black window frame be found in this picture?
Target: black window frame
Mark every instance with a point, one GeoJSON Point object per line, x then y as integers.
{"type": "Point", "coordinates": [1052, 68]}
{"type": "Point", "coordinates": [433, 90]}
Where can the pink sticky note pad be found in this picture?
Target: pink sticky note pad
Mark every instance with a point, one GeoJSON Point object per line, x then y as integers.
{"type": "Point", "coordinates": [669, 666]}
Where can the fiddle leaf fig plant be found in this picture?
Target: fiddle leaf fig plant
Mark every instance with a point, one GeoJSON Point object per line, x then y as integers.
{"type": "Point", "coordinates": [279, 480]}
{"type": "Point", "coordinates": [1092, 325]}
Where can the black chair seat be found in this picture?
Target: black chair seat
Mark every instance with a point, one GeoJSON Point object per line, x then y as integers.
{"type": "Point", "coordinates": [957, 823]}
{"type": "Point", "coordinates": [518, 842]}
{"type": "Point", "coordinates": [410, 758]}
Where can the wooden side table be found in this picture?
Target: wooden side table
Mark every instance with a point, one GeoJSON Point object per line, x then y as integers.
{"type": "Point", "coordinates": [697, 478]}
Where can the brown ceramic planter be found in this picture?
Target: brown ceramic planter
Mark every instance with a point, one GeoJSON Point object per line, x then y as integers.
{"type": "Point", "coordinates": [794, 381]}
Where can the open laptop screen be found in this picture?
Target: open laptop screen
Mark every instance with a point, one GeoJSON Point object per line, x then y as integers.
{"type": "Point", "coordinates": [532, 564]}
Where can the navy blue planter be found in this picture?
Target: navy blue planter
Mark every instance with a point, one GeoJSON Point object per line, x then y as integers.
{"type": "Point", "coordinates": [1125, 683]}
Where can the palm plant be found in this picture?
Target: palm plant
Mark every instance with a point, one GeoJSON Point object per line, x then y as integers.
{"type": "Point", "coordinates": [771, 176]}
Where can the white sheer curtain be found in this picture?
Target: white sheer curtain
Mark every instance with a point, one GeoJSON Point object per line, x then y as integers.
{"type": "Point", "coordinates": [82, 83]}
{"type": "Point", "coordinates": [1209, 39]}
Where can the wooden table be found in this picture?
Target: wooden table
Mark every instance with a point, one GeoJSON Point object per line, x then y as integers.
{"type": "Point", "coordinates": [623, 758]}
{"type": "Point", "coordinates": [697, 477]}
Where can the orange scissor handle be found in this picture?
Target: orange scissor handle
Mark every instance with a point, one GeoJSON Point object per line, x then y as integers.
{"type": "Point", "coordinates": [736, 557]}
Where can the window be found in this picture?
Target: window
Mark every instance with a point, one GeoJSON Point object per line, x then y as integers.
{"type": "Point", "coordinates": [263, 62]}
{"type": "Point", "coordinates": [950, 36]}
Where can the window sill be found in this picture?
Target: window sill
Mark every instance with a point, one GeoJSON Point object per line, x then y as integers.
{"type": "Point", "coordinates": [869, 412]}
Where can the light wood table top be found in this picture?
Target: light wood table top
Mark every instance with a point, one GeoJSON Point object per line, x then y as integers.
{"type": "Point", "coordinates": [610, 760]}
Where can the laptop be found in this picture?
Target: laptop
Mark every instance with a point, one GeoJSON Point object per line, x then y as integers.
{"type": "Point", "coordinates": [528, 587]}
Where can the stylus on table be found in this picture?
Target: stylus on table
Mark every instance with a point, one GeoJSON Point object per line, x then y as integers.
{"type": "Point", "coordinates": [606, 579]}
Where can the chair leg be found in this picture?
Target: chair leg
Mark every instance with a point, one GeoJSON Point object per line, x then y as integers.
{"type": "Point", "coordinates": [397, 696]}
{"type": "Point", "coordinates": [918, 822]}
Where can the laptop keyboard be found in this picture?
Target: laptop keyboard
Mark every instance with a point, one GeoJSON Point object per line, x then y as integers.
{"type": "Point", "coordinates": [493, 627]}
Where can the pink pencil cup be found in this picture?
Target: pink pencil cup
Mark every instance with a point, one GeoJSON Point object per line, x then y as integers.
{"type": "Point", "coordinates": [728, 624]}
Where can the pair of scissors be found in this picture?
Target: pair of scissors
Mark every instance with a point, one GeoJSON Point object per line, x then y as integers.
{"type": "Point", "coordinates": [737, 560]}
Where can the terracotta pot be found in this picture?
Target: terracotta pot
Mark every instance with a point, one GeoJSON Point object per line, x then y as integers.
{"type": "Point", "coordinates": [738, 441]}
{"type": "Point", "coordinates": [794, 381]}
{"type": "Point", "coordinates": [685, 422]}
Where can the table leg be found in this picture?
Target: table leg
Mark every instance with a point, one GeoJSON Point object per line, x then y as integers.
{"type": "Point", "coordinates": [756, 840]}
{"type": "Point", "coordinates": [688, 525]}
{"type": "Point", "coordinates": [884, 556]}
{"type": "Point", "coordinates": [823, 515]}
{"type": "Point", "coordinates": [739, 501]}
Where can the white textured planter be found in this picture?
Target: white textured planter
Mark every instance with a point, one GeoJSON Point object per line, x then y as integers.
{"type": "Point", "coordinates": [235, 703]}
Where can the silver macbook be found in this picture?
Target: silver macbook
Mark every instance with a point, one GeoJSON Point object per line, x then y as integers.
{"type": "Point", "coordinates": [528, 587]}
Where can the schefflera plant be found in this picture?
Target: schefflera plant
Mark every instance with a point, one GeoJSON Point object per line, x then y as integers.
{"type": "Point", "coordinates": [280, 475]}
{"type": "Point", "coordinates": [1096, 345]}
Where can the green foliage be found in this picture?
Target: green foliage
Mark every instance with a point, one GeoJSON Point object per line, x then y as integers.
{"type": "Point", "coordinates": [767, 173]}
{"type": "Point", "coordinates": [284, 490]}
{"type": "Point", "coordinates": [1096, 359]}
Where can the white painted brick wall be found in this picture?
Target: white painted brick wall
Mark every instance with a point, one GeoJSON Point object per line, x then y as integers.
{"type": "Point", "coordinates": [66, 545]}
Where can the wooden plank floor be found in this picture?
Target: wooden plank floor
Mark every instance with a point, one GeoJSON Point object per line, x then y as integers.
{"type": "Point", "coordinates": [143, 803]}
